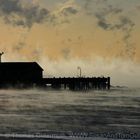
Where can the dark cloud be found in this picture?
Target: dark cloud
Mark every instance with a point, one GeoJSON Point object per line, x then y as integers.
{"type": "Point", "coordinates": [8, 6]}
{"type": "Point", "coordinates": [13, 12]}
{"type": "Point", "coordinates": [69, 10]}
{"type": "Point", "coordinates": [63, 15]}
{"type": "Point", "coordinates": [88, 6]}
{"type": "Point", "coordinates": [102, 22]}
{"type": "Point", "coordinates": [103, 17]}
{"type": "Point", "coordinates": [112, 18]}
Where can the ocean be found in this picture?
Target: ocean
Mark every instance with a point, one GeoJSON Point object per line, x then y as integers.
{"type": "Point", "coordinates": [65, 114]}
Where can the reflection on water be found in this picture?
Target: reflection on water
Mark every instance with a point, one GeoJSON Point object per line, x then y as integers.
{"type": "Point", "coordinates": [37, 111]}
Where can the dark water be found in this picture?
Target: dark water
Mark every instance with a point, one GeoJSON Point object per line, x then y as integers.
{"type": "Point", "coordinates": [35, 111]}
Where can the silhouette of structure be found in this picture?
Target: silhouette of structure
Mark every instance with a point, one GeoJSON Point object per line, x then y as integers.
{"type": "Point", "coordinates": [20, 73]}
{"type": "Point", "coordinates": [29, 74]}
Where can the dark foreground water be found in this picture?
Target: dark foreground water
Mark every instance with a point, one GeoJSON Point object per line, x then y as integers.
{"type": "Point", "coordinates": [114, 113]}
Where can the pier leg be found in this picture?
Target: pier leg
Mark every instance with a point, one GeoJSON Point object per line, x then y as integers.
{"type": "Point", "coordinates": [65, 86]}
{"type": "Point", "coordinates": [108, 82]}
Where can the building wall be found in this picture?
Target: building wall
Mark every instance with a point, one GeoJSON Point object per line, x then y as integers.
{"type": "Point", "coordinates": [20, 76]}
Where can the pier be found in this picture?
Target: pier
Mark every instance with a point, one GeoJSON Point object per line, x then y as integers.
{"type": "Point", "coordinates": [81, 83]}
{"type": "Point", "coordinates": [30, 74]}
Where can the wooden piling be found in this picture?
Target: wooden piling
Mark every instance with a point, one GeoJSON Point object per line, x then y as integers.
{"type": "Point", "coordinates": [108, 82]}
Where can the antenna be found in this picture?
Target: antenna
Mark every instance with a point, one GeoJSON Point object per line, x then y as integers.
{"type": "Point", "coordinates": [1, 56]}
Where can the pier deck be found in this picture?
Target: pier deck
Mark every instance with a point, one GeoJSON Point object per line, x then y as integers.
{"type": "Point", "coordinates": [78, 83]}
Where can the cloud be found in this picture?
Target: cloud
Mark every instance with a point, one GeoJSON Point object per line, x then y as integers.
{"type": "Point", "coordinates": [112, 18]}
{"type": "Point", "coordinates": [27, 13]}
{"type": "Point", "coordinates": [64, 13]}
{"type": "Point", "coordinates": [103, 24]}
{"type": "Point", "coordinates": [16, 13]}
{"type": "Point", "coordinates": [69, 10]}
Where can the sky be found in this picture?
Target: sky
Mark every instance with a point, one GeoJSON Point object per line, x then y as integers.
{"type": "Point", "coordinates": [100, 36]}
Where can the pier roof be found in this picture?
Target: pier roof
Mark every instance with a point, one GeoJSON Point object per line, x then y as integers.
{"type": "Point", "coordinates": [20, 65]}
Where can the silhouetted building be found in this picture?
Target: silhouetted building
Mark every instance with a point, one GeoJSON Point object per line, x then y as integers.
{"type": "Point", "coordinates": [17, 73]}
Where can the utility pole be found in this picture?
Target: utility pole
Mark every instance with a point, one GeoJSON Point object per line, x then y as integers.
{"type": "Point", "coordinates": [1, 56]}
{"type": "Point", "coordinates": [79, 68]}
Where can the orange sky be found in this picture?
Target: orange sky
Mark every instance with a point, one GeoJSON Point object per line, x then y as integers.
{"type": "Point", "coordinates": [71, 30]}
